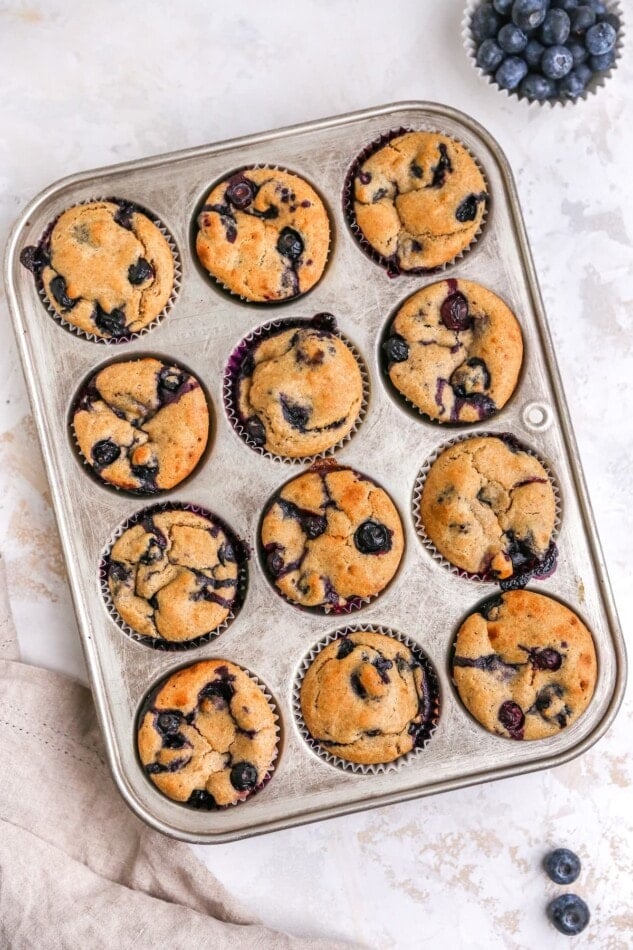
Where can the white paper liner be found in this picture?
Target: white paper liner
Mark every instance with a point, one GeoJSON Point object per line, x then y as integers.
{"type": "Point", "coordinates": [128, 337]}
{"type": "Point", "coordinates": [595, 83]}
{"type": "Point", "coordinates": [417, 500]}
{"type": "Point", "coordinates": [432, 682]}
{"type": "Point", "coordinates": [350, 216]}
{"type": "Point", "coordinates": [276, 301]}
{"type": "Point", "coordinates": [232, 410]}
{"type": "Point", "coordinates": [159, 643]}
{"type": "Point", "coordinates": [90, 469]}
{"type": "Point", "coordinates": [273, 707]}
{"type": "Point", "coordinates": [356, 603]}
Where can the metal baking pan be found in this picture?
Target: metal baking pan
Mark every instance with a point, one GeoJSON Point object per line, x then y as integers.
{"type": "Point", "coordinates": [270, 637]}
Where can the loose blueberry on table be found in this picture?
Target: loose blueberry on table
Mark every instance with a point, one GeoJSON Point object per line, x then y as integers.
{"type": "Point", "coordinates": [537, 48]}
{"type": "Point", "coordinates": [569, 914]}
{"type": "Point", "coordinates": [562, 866]}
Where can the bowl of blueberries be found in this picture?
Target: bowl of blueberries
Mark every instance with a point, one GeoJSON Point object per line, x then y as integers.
{"type": "Point", "coordinates": [544, 51]}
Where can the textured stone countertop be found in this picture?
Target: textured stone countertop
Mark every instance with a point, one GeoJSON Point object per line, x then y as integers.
{"type": "Point", "coordinates": [87, 85]}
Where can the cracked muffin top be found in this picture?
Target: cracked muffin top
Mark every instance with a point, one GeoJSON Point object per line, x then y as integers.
{"type": "Point", "coordinates": [332, 538]}
{"type": "Point", "coordinates": [454, 350]}
{"type": "Point", "coordinates": [173, 575]}
{"type": "Point", "coordinates": [488, 506]}
{"type": "Point", "coordinates": [419, 200]}
{"type": "Point", "coordinates": [207, 735]}
{"type": "Point", "coordinates": [264, 234]}
{"type": "Point", "coordinates": [524, 665]}
{"type": "Point", "coordinates": [298, 391]}
{"type": "Point", "coordinates": [106, 268]}
{"type": "Point", "coordinates": [366, 698]}
{"type": "Point", "coordinates": [142, 425]}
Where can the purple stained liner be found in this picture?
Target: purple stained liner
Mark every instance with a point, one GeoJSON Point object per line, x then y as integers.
{"type": "Point", "coordinates": [146, 706]}
{"type": "Point", "coordinates": [35, 257]}
{"type": "Point", "coordinates": [242, 552]}
{"type": "Point", "coordinates": [541, 570]}
{"type": "Point", "coordinates": [389, 263]}
{"type": "Point", "coordinates": [431, 709]}
{"type": "Point", "coordinates": [232, 375]}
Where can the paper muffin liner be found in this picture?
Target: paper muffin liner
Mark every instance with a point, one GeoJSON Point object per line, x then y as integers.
{"type": "Point", "coordinates": [158, 643]}
{"type": "Point", "coordinates": [148, 699]}
{"type": "Point", "coordinates": [431, 693]}
{"type": "Point", "coordinates": [231, 381]}
{"type": "Point", "coordinates": [388, 263]}
{"type": "Point", "coordinates": [216, 281]}
{"type": "Point", "coordinates": [44, 243]}
{"type": "Point", "coordinates": [87, 465]}
{"type": "Point", "coordinates": [327, 464]}
{"type": "Point", "coordinates": [596, 82]}
{"type": "Point", "coordinates": [484, 576]}
{"type": "Point", "coordinates": [408, 403]}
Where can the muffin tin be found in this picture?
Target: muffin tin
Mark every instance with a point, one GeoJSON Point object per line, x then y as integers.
{"type": "Point", "coordinates": [425, 602]}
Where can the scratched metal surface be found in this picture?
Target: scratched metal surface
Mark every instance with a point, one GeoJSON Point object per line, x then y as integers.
{"type": "Point", "coordinates": [270, 637]}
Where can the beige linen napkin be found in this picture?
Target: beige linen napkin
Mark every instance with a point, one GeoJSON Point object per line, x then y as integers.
{"type": "Point", "coordinates": [77, 868]}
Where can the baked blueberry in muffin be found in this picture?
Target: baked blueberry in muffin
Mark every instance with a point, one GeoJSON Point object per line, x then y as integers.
{"type": "Point", "coordinates": [331, 538]}
{"type": "Point", "coordinates": [264, 234]}
{"type": "Point", "coordinates": [367, 698]}
{"type": "Point", "coordinates": [142, 425]}
{"type": "Point", "coordinates": [454, 350]}
{"type": "Point", "coordinates": [419, 200]}
{"type": "Point", "coordinates": [489, 508]}
{"type": "Point", "coordinates": [175, 575]}
{"type": "Point", "coordinates": [207, 735]}
{"type": "Point", "coordinates": [297, 389]}
{"type": "Point", "coordinates": [106, 268]}
{"type": "Point", "coordinates": [524, 665]}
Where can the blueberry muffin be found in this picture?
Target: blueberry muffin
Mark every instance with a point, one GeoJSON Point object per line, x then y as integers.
{"type": "Point", "coordinates": [174, 575]}
{"type": "Point", "coordinates": [419, 200]}
{"type": "Point", "coordinates": [454, 350]}
{"type": "Point", "coordinates": [264, 234]}
{"type": "Point", "coordinates": [366, 698]}
{"type": "Point", "coordinates": [207, 735]}
{"type": "Point", "coordinates": [142, 425]}
{"type": "Point", "coordinates": [106, 268]}
{"type": "Point", "coordinates": [524, 665]}
{"type": "Point", "coordinates": [331, 538]}
{"type": "Point", "coordinates": [488, 507]}
{"type": "Point", "coordinates": [298, 390]}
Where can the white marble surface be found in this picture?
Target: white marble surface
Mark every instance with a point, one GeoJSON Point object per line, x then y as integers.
{"type": "Point", "coordinates": [93, 84]}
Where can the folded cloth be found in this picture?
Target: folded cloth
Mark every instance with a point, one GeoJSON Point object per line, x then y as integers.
{"type": "Point", "coordinates": [77, 868]}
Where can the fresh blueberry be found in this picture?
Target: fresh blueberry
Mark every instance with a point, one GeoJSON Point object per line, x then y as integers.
{"type": "Point", "coordinates": [105, 452]}
{"type": "Point", "coordinates": [557, 61]}
{"type": "Point", "coordinates": [613, 20]}
{"type": "Point", "coordinates": [255, 431]}
{"type": "Point", "coordinates": [532, 53]}
{"type": "Point", "coordinates": [240, 192]}
{"type": "Point", "coordinates": [489, 56]}
{"type": "Point", "coordinates": [569, 914]}
{"type": "Point", "coordinates": [600, 39]}
{"type": "Point", "coordinates": [243, 776]}
{"type": "Point", "coordinates": [538, 87]}
{"type": "Point", "coordinates": [454, 312]}
{"type": "Point", "coordinates": [200, 798]}
{"type": "Point", "coordinates": [562, 865]}
{"type": "Point", "coordinates": [511, 72]}
{"type": "Point", "coordinates": [573, 84]}
{"type": "Point", "coordinates": [528, 14]}
{"type": "Point", "coordinates": [58, 290]}
{"type": "Point", "coordinates": [140, 272]}
{"type": "Point", "coordinates": [578, 52]}
{"type": "Point", "coordinates": [567, 5]}
{"type": "Point", "coordinates": [484, 23]}
{"type": "Point", "coordinates": [581, 19]}
{"type": "Point", "coordinates": [290, 244]}
{"type": "Point", "coordinates": [503, 6]}
{"type": "Point", "coordinates": [511, 717]}
{"type": "Point", "coordinates": [599, 63]}
{"type": "Point", "coordinates": [511, 39]}
{"type": "Point", "coordinates": [598, 7]}
{"type": "Point", "coordinates": [555, 28]}
{"type": "Point", "coordinates": [372, 537]}
{"type": "Point", "coordinates": [467, 210]}
{"type": "Point", "coordinates": [396, 348]}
